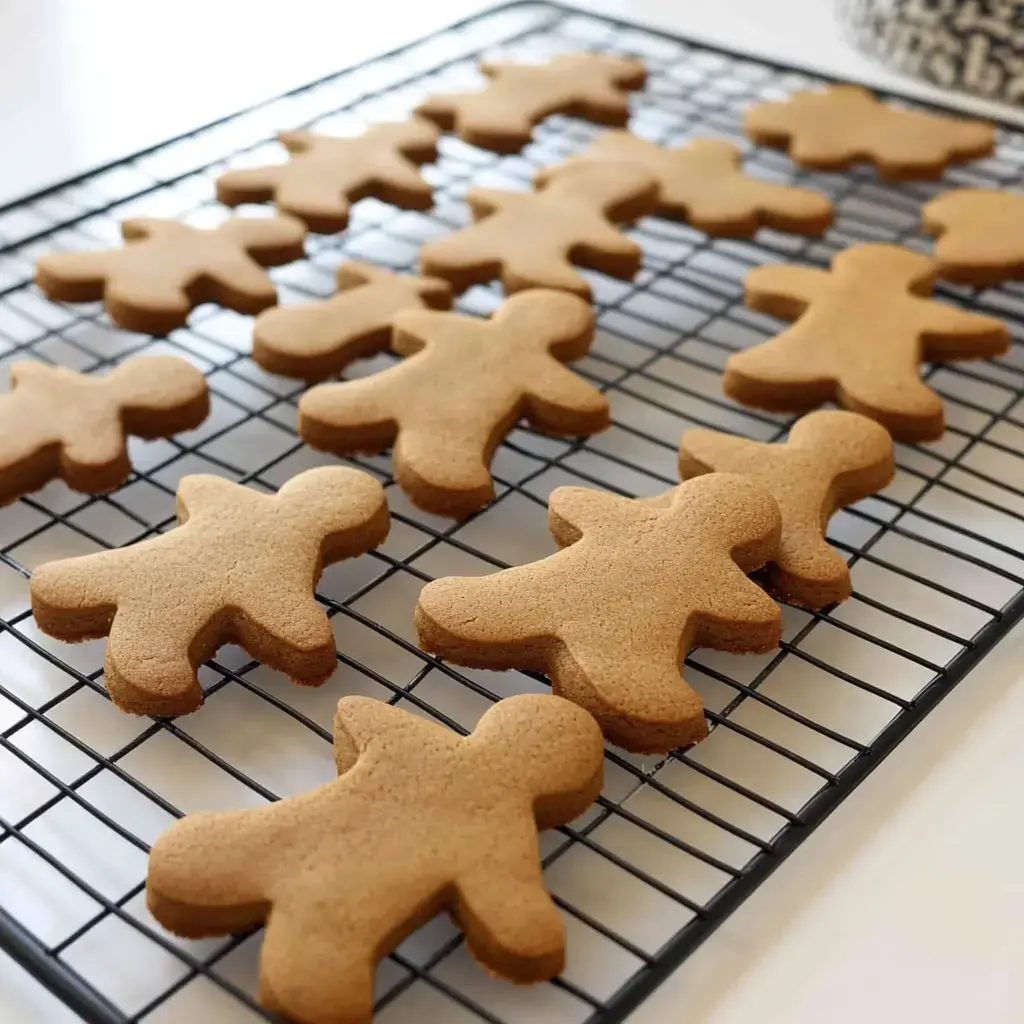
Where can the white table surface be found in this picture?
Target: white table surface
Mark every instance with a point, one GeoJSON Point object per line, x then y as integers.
{"type": "Point", "coordinates": [908, 905]}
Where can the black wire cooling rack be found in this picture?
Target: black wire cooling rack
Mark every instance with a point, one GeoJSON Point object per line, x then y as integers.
{"type": "Point", "coordinates": [674, 844]}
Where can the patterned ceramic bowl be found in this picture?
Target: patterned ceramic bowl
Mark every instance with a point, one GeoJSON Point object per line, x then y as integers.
{"type": "Point", "coordinates": [975, 45]}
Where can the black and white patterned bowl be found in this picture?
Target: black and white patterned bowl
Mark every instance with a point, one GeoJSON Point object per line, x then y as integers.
{"type": "Point", "coordinates": [975, 45]}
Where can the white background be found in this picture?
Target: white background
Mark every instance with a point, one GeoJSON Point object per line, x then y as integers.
{"type": "Point", "coordinates": [909, 904]}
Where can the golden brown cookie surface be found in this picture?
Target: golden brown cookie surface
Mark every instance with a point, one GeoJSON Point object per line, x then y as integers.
{"type": "Point", "coordinates": [842, 124]}
{"type": "Point", "coordinates": [861, 331]}
{"type": "Point", "coordinates": [419, 821]}
{"type": "Point", "coordinates": [58, 423]}
{"type": "Point", "coordinates": [703, 184]}
{"type": "Point", "coordinates": [830, 460]}
{"type": "Point", "coordinates": [167, 268]}
{"type": "Point", "coordinates": [518, 96]}
{"type": "Point", "coordinates": [463, 386]}
{"type": "Point", "coordinates": [611, 617]}
{"type": "Point", "coordinates": [326, 174]}
{"type": "Point", "coordinates": [319, 339]}
{"type": "Point", "coordinates": [240, 568]}
{"type": "Point", "coordinates": [981, 235]}
{"type": "Point", "coordinates": [532, 239]}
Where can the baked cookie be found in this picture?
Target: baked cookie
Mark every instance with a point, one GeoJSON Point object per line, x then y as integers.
{"type": "Point", "coordinates": [611, 617]}
{"type": "Point", "coordinates": [531, 239]}
{"type": "Point", "coordinates": [166, 269]}
{"type": "Point", "coordinates": [55, 423]}
{"type": "Point", "coordinates": [702, 184]}
{"type": "Point", "coordinates": [861, 330]}
{"type": "Point", "coordinates": [419, 821]}
{"type": "Point", "coordinates": [464, 385]}
{"type": "Point", "coordinates": [842, 124]}
{"type": "Point", "coordinates": [240, 568]}
{"type": "Point", "coordinates": [981, 235]}
{"type": "Point", "coordinates": [319, 339]}
{"type": "Point", "coordinates": [325, 174]}
{"type": "Point", "coordinates": [593, 86]}
{"type": "Point", "coordinates": [830, 460]}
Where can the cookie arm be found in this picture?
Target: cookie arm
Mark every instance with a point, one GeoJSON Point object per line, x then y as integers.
{"type": "Point", "coordinates": [75, 276]}
{"type": "Point", "coordinates": [784, 291]}
{"type": "Point", "coordinates": [249, 185]}
{"type": "Point", "coordinates": [469, 256]}
{"type": "Point", "coordinates": [205, 872]}
{"type": "Point", "coordinates": [952, 333]}
{"type": "Point", "coordinates": [468, 619]}
{"type": "Point", "coordinates": [572, 511]}
{"type": "Point", "coordinates": [705, 451]}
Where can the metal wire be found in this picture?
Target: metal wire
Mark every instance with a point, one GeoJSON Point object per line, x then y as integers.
{"type": "Point", "coordinates": [674, 844]}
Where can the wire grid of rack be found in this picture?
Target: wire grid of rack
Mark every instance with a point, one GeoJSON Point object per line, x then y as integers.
{"type": "Point", "coordinates": [674, 843]}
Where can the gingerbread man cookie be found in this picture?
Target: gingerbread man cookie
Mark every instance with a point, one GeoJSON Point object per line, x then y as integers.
{"type": "Point", "coordinates": [981, 235]}
{"type": "Point", "coordinates": [464, 386]}
{"type": "Point", "coordinates": [420, 820]}
{"type": "Point", "coordinates": [240, 568]}
{"type": "Point", "coordinates": [861, 330]}
{"type": "Point", "coordinates": [702, 184]}
{"type": "Point", "coordinates": [531, 239]}
{"type": "Point", "coordinates": [500, 117]}
{"type": "Point", "coordinates": [319, 339]}
{"type": "Point", "coordinates": [326, 174]}
{"type": "Point", "coordinates": [831, 129]}
{"type": "Point", "coordinates": [58, 423]}
{"type": "Point", "coordinates": [611, 617]}
{"type": "Point", "coordinates": [166, 269]}
{"type": "Point", "coordinates": [831, 460]}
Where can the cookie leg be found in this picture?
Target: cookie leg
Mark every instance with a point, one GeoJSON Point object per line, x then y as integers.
{"type": "Point", "coordinates": [150, 669]}
{"type": "Point", "coordinates": [293, 635]}
{"type": "Point", "coordinates": [147, 304]}
{"type": "Point", "coordinates": [319, 204]}
{"type": "Point", "coordinates": [314, 968]}
{"type": "Point", "coordinates": [462, 259]}
{"type": "Point", "coordinates": [97, 461]}
{"type": "Point", "coordinates": [901, 402]}
{"type": "Point", "coordinates": [637, 695]}
{"type": "Point", "coordinates": [239, 283]}
{"type": "Point", "coordinates": [512, 926]}
{"type": "Point", "coordinates": [808, 571]}
{"type": "Point", "coordinates": [444, 466]}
